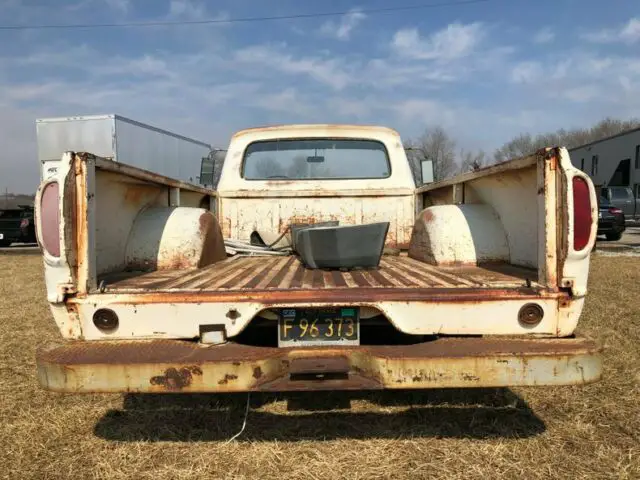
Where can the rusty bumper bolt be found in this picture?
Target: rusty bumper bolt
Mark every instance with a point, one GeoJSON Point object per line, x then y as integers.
{"type": "Point", "coordinates": [530, 315]}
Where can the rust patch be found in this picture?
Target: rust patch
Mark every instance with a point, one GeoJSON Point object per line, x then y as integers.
{"type": "Point", "coordinates": [138, 194]}
{"type": "Point", "coordinates": [319, 365]}
{"type": "Point", "coordinates": [350, 296]}
{"type": "Point", "coordinates": [227, 378]}
{"type": "Point", "coordinates": [310, 368]}
{"type": "Point", "coordinates": [176, 379]}
{"type": "Point", "coordinates": [428, 215]}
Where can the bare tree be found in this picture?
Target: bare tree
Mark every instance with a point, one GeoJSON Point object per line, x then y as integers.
{"type": "Point", "coordinates": [525, 144]}
{"type": "Point", "coordinates": [471, 161]}
{"type": "Point", "coordinates": [520, 146]}
{"type": "Point", "coordinates": [435, 145]}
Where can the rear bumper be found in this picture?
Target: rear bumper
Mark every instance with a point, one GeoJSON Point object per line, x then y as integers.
{"type": "Point", "coordinates": [182, 366]}
{"type": "Point", "coordinates": [16, 236]}
{"type": "Point", "coordinates": [9, 235]}
{"type": "Point", "coordinates": [611, 224]}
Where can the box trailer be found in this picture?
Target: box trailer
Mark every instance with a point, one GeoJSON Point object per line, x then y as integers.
{"type": "Point", "coordinates": [116, 137]}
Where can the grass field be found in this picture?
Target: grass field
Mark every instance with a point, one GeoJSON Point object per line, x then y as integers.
{"type": "Point", "coordinates": [559, 432]}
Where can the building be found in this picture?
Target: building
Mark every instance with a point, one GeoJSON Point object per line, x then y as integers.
{"type": "Point", "coordinates": [612, 161]}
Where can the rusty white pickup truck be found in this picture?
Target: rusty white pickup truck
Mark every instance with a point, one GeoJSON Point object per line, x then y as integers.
{"type": "Point", "coordinates": [482, 282]}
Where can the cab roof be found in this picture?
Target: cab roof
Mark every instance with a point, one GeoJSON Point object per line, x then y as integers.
{"type": "Point", "coordinates": [293, 130]}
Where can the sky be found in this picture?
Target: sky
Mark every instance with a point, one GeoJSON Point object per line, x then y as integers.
{"type": "Point", "coordinates": [484, 71]}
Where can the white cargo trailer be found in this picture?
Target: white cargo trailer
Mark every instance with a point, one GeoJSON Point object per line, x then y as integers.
{"type": "Point", "coordinates": [116, 137]}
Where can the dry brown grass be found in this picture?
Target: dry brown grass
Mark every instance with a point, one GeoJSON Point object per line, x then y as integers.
{"type": "Point", "coordinates": [562, 432]}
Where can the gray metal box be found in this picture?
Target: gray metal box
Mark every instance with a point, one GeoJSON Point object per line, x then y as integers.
{"type": "Point", "coordinates": [122, 140]}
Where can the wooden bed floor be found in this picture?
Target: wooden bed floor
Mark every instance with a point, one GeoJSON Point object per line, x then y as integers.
{"type": "Point", "coordinates": [284, 273]}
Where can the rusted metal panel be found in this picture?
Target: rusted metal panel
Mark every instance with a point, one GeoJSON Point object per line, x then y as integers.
{"type": "Point", "coordinates": [147, 176]}
{"type": "Point", "coordinates": [491, 170]}
{"type": "Point", "coordinates": [274, 214]}
{"type": "Point", "coordinates": [547, 216]}
{"type": "Point", "coordinates": [459, 234]}
{"type": "Point", "coordinates": [175, 238]}
{"type": "Point", "coordinates": [109, 197]}
{"type": "Point", "coordinates": [255, 273]}
{"type": "Point", "coordinates": [179, 366]}
{"type": "Point", "coordinates": [414, 311]}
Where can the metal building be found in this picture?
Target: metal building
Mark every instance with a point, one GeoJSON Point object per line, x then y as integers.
{"type": "Point", "coordinates": [613, 161]}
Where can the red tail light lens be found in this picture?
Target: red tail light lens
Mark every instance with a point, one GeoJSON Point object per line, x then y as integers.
{"type": "Point", "coordinates": [50, 219]}
{"type": "Point", "coordinates": [24, 223]}
{"type": "Point", "coordinates": [615, 210]}
{"type": "Point", "coordinates": [581, 214]}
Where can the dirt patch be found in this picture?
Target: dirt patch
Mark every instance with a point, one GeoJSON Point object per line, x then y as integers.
{"type": "Point", "coordinates": [559, 432]}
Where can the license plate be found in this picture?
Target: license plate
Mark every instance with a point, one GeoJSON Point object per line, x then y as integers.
{"type": "Point", "coordinates": [319, 326]}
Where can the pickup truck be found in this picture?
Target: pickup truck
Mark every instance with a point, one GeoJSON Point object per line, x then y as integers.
{"type": "Point", "coordinates": [482, 285]}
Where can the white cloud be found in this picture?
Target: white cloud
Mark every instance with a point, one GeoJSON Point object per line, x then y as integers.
{"type": "Point", "coordinates": [453, 42]}
{"type": "Point", "coordinates": [120, 5]}
{"type": "Point", "coordinates": [187, 10]}
{"type": "Point", "coordinates": [342, 29]}
{"type": "Point", "coordinates": [628, 33]}
{"type": "Point", "coordinates": [263, 57]}
{"type": "Point", "coordinates": [544, 35]}
{"type": "Point", "coordinates": [631, 32]}
{"type": "Point", "coordinates": [288, 101]}
{"type": "Point", "coordinates": [598, 83]}
{"type": "Point", "coordinates": [526, 72]}
{"type": "Point", "coordinates": [426, 111]}
{"type": "Point", "coordinates": [581, 93]}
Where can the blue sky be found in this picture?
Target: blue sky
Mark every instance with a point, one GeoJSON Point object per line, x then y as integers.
{"type": "Point", "coordinates": [485, 71]}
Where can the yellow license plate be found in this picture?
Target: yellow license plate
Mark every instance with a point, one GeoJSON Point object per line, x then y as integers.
{"type": "Point", "coordinates": [319, 326]}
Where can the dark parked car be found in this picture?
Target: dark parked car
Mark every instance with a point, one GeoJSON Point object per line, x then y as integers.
{"type": "Point", "coordinates": [611, 221]}
{"type": "Point", "coordinates": [17, 225]}
{"type": "Point", "coordinates": [623, 198]}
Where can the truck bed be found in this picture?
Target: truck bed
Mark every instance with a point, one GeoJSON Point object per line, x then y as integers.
{"type": "Point", "coordinates": [288, 273]}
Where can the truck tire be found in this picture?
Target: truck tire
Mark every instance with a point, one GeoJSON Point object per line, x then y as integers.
{"type": "Point", "coordinates": [614, 236]}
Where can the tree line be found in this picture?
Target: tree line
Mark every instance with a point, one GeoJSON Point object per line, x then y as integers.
{"type": "Point", "coordinates": [437, 145]}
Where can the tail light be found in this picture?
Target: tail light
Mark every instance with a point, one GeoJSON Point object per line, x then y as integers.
{"type": "Point", "coordinates": [24, 223]}
{"type": "Point", "coordinates": [615, 210]}
{"type": "Point", "coordinates": [49, 219]}
{"type": "Point", "coordinates": [582, 219]}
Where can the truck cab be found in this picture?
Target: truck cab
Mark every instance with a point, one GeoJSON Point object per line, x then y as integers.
{"type": "Point", "coordinates": [277, 176]}
{"type": "Point", "coordinates": [481, 283]}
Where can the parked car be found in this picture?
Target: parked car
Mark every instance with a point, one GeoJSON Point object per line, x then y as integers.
{"type": "Point", "coordinates": [623, 199]}
{"type": "Point", "coordinates": [17, 225]}
{"type": "Point", "coordinates": [611, 222]}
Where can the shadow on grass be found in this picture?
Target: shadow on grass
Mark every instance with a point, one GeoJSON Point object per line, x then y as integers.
{"type": "Point", "coordinates": [455, 413]}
